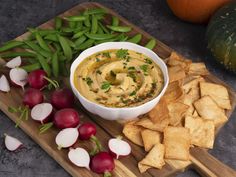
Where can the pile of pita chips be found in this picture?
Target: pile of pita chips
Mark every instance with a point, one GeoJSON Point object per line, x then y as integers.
{"type": "Point", "coordinates": [187, 115]}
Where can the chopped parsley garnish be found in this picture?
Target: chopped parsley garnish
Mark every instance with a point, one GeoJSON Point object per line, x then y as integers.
{"type": "Point", "coordinates": [97, 59]}
{"type": "Point", "coordinates": [133, 93]}
{"type": "Point", "coordinates": [131, 68]}
{"type": "Point", "coordinates": [88, 80]}
{"type": "Point", "coordinates": [144, 68]}
{"type": "Point", "coordinates": [106, 54]}
{"type": "Point", "coordinates": [98, 54]}
{"type": "Point", "coordinates": [128, 58]}
{"type": "Point", "coordinates": [148, 61]}
{"type": "Point", "coordinates": [138, 53]}
{"type": "Point", "coordinates": [113, 73]}
{"type": "Point", "coordinates": [122, 53]}
{"type": "Point", "coordinates": [133, 76]}
{"type": "Point", "coordinates": [99, 72]}
{"type": "Point", "coordinates": [105, 85]}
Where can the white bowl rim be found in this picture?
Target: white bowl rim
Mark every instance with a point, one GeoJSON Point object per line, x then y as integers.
{"type": "Point", "coordinates": [73, 68]}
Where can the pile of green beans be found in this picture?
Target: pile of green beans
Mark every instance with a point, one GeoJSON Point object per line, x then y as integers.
{"type": "Point", "coordinates": [53, 50]}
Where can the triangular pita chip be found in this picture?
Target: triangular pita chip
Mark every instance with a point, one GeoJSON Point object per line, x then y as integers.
{"type": "Point", "coordinates": [208, 109]}
{"type": "Point", "coordinates": [217, 92]}
{"type": "Point", "coordinates": [150, 138]}
{"type": "Point", "coordinates": [155, 158]}
{"type": "Point", "coordinates": [133, 133]}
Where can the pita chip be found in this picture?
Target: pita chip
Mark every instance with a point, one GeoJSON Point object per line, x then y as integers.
{"type": "Point", "coordinates": [150, 138]}
{"type": "Point", "coordinates": [154, 159]}
{"type": "Point", "coordinates": [208, 109]}
{"type": "Point", "coordinates": [202, 131]}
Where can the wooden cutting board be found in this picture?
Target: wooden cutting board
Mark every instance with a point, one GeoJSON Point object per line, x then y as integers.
{"type": "Point", "coordinates": [201, 160]}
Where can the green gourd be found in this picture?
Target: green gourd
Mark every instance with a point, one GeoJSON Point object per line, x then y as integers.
{"type": "Point", "coordinates": [221, 36]}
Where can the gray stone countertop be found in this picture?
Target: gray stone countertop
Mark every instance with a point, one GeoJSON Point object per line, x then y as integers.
{"type": "Point", "coordinates": [155, 18]}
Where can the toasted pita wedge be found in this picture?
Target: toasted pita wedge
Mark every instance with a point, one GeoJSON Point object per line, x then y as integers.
{"type": "Point", "coordinates": [178, 60]}
{"type": "Point", "coordinates": [217, 92]}
{"type": "Point", "coordinates": [190, 98]}
{"type": "Point", "coordinates": [198, 69]}
{"type": "Point", "coordinates": [150, 138]}
{"type": "Point", "coordinates": [155, 158]}
{"type": "Point", "coordinates": [133, 133]}
{"type": "Point", "coordinates": [195, 114]}
{"type": "Point", "coordinates": [147, 123]}
{"type": "Point", "coordinates": [174, 92]}
{"type": "Point", "coordinates": [176, 73]}
{"type": "Point", "coordinates": [202, 131]}
{"type": "Point", "coordinates": [177, 111]}
{"type": "Point", "coordinates": [177, 143]}
{"type": "Point", "coordinates": [159, 112]}
{"type": "Point", "coordinates": [192, 84]}
{"type": "Point", "coordinates": [208, 109]}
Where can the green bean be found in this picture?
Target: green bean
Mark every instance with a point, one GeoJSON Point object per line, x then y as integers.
{"type": "Point", "coordinates": [121, 37]}
{"type": "Point", "coordinates": [58, 23]}
{"type": "Point", "coordinates": [55, 65]}
{"type": "Point", "coordinates": [51, 37]}
{"type": "Point", "coordinates": [16, 54]}
{"type": "Point", "coordinates": [37, 49]}
{"type": "Point", "coordinates": [95, 11]}
{"type": "Point", "coordinates": [67, 30]}
{"type": "Point", "coordinates": [124, 38]}
{"type": "Point", "coordinates": [94, 26]}
{"type": "Point", "coordinates": [72, 24]}
{"type": "Point", "coordinates": [135, 39]}
{"type": "Point", "coordinates": [122, 29]}
{"type": "Point", "coordinates": [80, 40]}
{"type": "Point", "coordinates": [87, 21]}
{"type": "Point", "coordinates": [76, 18]}
{"type": "Point", "coordinates": [100, 36]}
{"type": "Point", "coordinates": [79, 25]}
{"type": "Point", "coordinates": [105, 40]}
{"type": "Point", "coordinates": [100, 31]}
{"type": "Point", "coordinates": [41, 42]}
{"type": "Point", "coordinates": [57, 46]}
{"type": "Point", "coordinates": [99, 16]}
{"type": "Point", "coordinates": [10, 45]}
{"type": "Point", "coordinates": [61, 57]}
{"type": "Point", "coordinates": [86, 44]}
{"type": "Point", "coordinates": [71, 43]}
{"type": "Point", "coordinates": [103, 28]}
{"type": "Point", "coordinates": [44, 64]}
{"type": "Point", "coordinates": [115, 21]}
{"type": "Point", "coordinates": [42, 32]}
{"type": "Point", "coordinates": [66, 47]}
{"type": "Point", "coordinates": [151, 44]}
{"type": "Point", "coordinates": [31, 67]}
{"type": "Point", "coordinates": [80, 33]}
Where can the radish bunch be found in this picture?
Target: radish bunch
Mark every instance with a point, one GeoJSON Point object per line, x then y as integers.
{"type": "Point", "coordinates": [59, 113]}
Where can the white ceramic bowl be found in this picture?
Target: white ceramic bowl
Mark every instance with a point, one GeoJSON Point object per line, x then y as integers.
{"type": "Point", "coordinates": [118, 113]}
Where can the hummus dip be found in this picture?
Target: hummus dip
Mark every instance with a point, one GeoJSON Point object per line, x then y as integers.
{"type": "Point", "coordinates": [118, 78]}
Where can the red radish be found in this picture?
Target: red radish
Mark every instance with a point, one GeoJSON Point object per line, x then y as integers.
{"type": "Point", "coordinates": [42, 112]}
{"type": "Point", "coordinates": [102, 162]}
{"type": "Point", "coordinates": [67, 137]}
{"type": "Point", "coordinates": [18, 77]}
{"type": "Point", "coordinates": [62, 98]}
{"type": "Point", "coordinates": [118, 147]}
{"type": "Point", "coordinates": [13, 63]}
{"type": "Point", "coordinates": [79, 157]}
{"type": "Point", "coordinates": [4, 84]}
{"type": "Point", "coordinates": [86, 131]}
{"type": "Point", "coordinates": [12, 143]}
{"type": "Point", "coordinates": [32, 97]}
{"type": "Point", "coordinates": [37, 79]}
{"type": "Point", "coordinates": [66, 118]}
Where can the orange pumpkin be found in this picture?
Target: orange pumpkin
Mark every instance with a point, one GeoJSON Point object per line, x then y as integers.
{"type": "Point", "coordinates": [196, 11]}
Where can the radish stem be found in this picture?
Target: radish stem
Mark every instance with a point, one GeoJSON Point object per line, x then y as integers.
{"type": "Point", "coordinates": [24, 113]}
{"type": "Point", "coordinates": [43, 128]}
{"type": "Point", "coordinates": [53, 83]}
{"type": "Point", "coordinates": [107, 174]}
{"type": "Point", "coordinates": [98, 146]}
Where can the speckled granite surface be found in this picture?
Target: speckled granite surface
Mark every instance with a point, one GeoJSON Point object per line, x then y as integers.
{"type": "Point", "coordinates": [151, 15]}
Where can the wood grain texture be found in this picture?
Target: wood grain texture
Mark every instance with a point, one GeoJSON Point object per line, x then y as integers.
{"type": "Point", "coordinates": [107, 129]}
